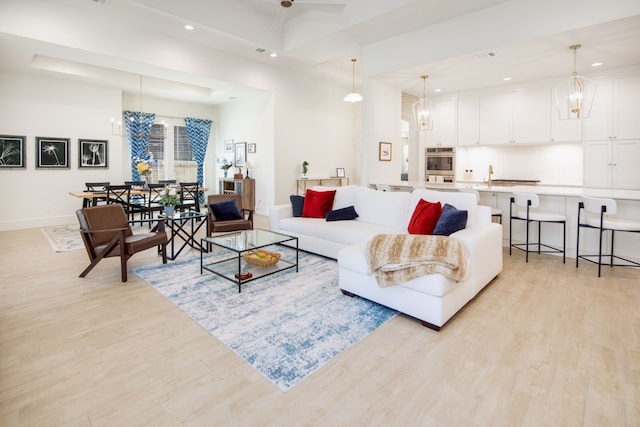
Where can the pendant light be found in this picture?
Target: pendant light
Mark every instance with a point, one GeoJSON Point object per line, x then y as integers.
{"type": "Point", "coordinates": [574, 97]}
{"type": "Point", "coordinates": [353, 96]}
{"type": "Point", "coordinates": [424, 109]}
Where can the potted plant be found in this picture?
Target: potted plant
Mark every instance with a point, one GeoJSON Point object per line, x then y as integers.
{"type": "Point", "coordinates": [225, 167]}
{"type": "Point", "coordinates": [305, 169]}
{"type": "Point", "coordinates": [169, 199]}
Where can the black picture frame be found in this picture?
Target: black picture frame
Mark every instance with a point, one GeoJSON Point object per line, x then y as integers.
{"type": "Point", "coordinates": [93, 154]}
{"type": "Point", "coordinates": [251, 147]}
{"type": "Point", "coordinates": [52, 153]}
{"type": "Point", "coordinates": [240, 154]}
{"type": "Point", "coordinates": [13, 152]}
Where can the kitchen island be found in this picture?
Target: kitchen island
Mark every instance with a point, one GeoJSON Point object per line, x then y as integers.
{"type": "Point", "coordinates": [553, 198]}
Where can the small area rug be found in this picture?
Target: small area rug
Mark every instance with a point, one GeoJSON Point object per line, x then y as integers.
{"type": "Point", "coordinates": [64, 237]}
{"type": "Point", "coordinates": [286, 326]}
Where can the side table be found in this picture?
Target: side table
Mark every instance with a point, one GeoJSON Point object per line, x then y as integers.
{"type": "Point", "coordinates": [184, 225]}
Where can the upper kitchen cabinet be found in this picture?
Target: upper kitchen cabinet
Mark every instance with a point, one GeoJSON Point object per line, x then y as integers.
{"type": "Point", "coordinates": [468, 121]}
{"type": "Point", "coordinates": [522, 118]}
{"type": "Point", "coordinates": [612, 164]}
{"type": "Point", "coordinates": [615, 113]}
{"type": "Point", "coordinates": [444, 132]}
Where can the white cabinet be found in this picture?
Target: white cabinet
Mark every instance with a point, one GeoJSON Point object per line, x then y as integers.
{"type": "Point", "coordinates": [615, 114]}
{"type": "Point", "coordinates": [612, 164]}
{"type": "Point", "coordinates": [444, 133]}
{"type": "Point", "coordinates": [531, 117]}
{"type": "Point", "coordinates": [522, 118]}
{"type": "Point", "coordinates": [495, 120]}
{"type": "Point", "coordinates": [468, 121]}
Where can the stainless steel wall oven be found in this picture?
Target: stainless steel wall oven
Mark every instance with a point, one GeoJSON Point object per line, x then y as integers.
{"type": "Point", "coordinates": [440, 164]}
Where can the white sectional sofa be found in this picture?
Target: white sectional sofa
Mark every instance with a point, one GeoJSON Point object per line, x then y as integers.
{"type": "Point", "coordinates": [432, 298]}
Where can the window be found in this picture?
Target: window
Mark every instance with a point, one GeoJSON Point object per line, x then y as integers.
{"type": "Point", "coordinates": [156, 148]}
{"type": "Point", "coordinates": [185, 167]}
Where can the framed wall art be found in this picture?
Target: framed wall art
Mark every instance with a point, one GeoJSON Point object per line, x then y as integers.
{"type": "Point", "coordinates": [93, 153]}
{"type": "Point", "coordinates": [228, 145]}
{"type": "Point", "coordinates": [340, 172]}
{"type": "Point", "coordinates": [240, 154]}
{"type": "Point", "coordinates": [384, 152]}
{"type": "Point", "coordinates": [52, 153]}
{"type": "Point", "coordinates": [12, 152]}
{"type": "Point", "coordinates": [251, 147]}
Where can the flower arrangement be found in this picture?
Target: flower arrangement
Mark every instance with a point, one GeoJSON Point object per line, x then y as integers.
{"type": "Point", "coordinates": [143, 164]}
{"type": "Point", "coordinates": [305, 167]}
{"type": "Point", "coordinates": [225, 165]}
{"type": "Point", "coordinates": [169, 196]}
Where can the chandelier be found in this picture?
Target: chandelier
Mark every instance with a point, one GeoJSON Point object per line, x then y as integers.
{"type": "Point", "coordinates": [424, 109]}
{"type": "Point", "coordinates": [135, 120]}
{"type": "Point", "coordinates": [574, 97]}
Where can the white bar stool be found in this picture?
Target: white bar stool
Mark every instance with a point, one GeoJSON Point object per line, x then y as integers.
{"type": "Point", "coordinates": [598, 214]}
{"type": "Point", "coordinates": [495, 212]}
{"type": "Point", "coordinates": [525, 203]}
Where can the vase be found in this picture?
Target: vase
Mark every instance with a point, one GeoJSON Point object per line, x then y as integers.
{"type": "Point", "coordinates": [169, 210]}
{"type": "Point", "coordinates": [225, 173]}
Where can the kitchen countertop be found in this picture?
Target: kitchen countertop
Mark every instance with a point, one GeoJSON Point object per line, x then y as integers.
{"type": "Point", "coordinates": [540, 189]}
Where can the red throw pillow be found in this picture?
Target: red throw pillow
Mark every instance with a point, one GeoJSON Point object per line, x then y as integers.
{"type": "Point", "coordinates": [425, 217]}
{"type": "Point", "coordinates": [317, 203]}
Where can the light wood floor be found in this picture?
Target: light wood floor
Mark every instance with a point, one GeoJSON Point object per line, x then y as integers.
{"type": "Point", "coordinates": [544, 345]}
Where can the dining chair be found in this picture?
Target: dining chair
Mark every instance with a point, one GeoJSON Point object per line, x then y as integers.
{"type": "Point", "coordinates": [230, 216]}
{"type": "Point", "coordinates": [106, 232]}
{"type": "Point", "coordinates": [599, 214]}
{"type": "Point", "coordinates": [120, 194]}
{"type": "Point", "coordinates": [189, 196]}
{"type": "Point", "coordinates": [95, 187]}
{"type": "Point", "coordinates": [151, 202]}
{"type": "Point", "coordinates": [525, 210]}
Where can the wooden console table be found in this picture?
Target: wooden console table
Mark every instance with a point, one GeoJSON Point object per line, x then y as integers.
{"type": "Point", "coordinates": [303, 184]}
{"type": "Point", "coordinates": [244, 187]}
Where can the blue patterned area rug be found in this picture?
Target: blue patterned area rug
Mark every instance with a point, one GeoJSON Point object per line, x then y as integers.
{"type": "Point", "coordinates": [286, 326]}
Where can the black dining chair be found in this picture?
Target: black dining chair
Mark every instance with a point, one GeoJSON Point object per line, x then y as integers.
{"type": "Point", "coordinates": [95, 187]}
{"type": "Point", "coordinates": [120, 194]}
{"type": "Point", "coordinates": [189, 196]}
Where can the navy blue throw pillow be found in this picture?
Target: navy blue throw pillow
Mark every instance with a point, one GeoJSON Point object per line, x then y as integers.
{"type": "Point", "coordinates": [342, 214]}
{"type": "Point", "coordinates": [226, 211]}
{"type": "Point", "coordinates": [451, 220]}
{"type": "Point", "coordinates": [297, 203]}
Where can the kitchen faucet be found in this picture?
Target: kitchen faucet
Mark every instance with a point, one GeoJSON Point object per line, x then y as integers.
{"type": "Point", "coordinates": [490, 173]}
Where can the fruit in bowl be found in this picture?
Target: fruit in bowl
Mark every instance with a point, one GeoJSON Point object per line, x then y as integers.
{"type": "Point", "coordinates": [261, 257]}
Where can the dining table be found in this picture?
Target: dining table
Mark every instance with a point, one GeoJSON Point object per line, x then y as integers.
{"type": "Point", "coordinates": [93, 196]}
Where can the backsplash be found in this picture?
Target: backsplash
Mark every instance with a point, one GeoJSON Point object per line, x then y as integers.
{"type": "Point", "coordinates": [551, 164]}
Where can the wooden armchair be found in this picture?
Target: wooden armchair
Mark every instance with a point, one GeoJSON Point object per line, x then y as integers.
{"type": "Point", "coordinates": [217, 225]}
{"type": "Point", "coordinates": [106, 233]}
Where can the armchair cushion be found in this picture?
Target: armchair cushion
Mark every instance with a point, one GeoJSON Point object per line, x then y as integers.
{"type": "Point", "coordinates": [226, 211]}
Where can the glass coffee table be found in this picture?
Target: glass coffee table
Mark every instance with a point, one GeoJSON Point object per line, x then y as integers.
{"type": "Point", "coordinates": [249, 244]}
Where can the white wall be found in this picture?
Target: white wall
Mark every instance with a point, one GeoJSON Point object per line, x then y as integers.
{"type": "Point", "coordinates": [382, 115]}
{"type": "Point", "coordinates": [61, 109]}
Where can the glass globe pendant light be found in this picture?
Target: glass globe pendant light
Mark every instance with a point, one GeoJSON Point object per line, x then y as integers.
{"type": "Point", "coordinates": [353, 96]}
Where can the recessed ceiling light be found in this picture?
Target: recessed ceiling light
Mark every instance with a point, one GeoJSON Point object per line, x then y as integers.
{"type": "Point", "coordinates": [437, 90]}
{"type": "Point", "coordinates": [596, 64]}
{"type": "Point", "coordinates": [273, 54]}
{"type": "Point", "coordinates": [189, 27]}
{"type": "Point", "coordinates": [506, 79]}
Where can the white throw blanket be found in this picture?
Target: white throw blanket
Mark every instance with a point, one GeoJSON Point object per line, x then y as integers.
{"type": "Point", "coordinates": [398, 258]}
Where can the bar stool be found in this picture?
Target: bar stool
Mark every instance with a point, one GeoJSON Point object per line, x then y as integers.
{"type": "Point", "coordinates": [495, 212]}
{"type": "Point", "coordinates": [598, 215]}
{"type": "Point", "coordinates": [525, 203]}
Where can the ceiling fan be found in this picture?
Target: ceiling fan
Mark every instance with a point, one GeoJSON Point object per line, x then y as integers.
{"type": "Point", "coordinates": [315, 6]}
